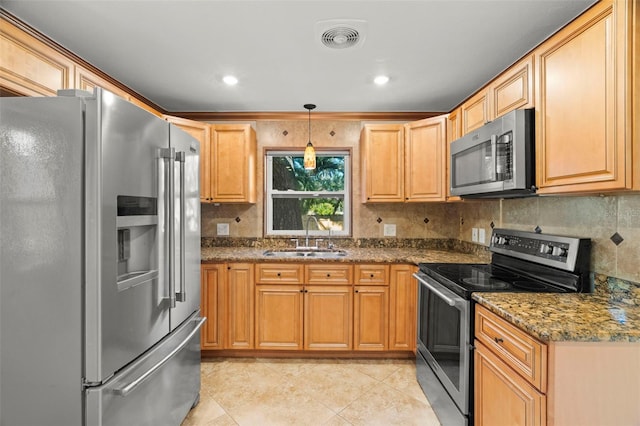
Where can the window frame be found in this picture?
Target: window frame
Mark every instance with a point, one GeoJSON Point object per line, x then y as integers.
{"type": "Point", "coordinates": [269, 192]}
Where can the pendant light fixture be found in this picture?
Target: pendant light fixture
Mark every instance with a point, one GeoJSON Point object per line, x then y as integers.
{"type": "Point", "coordinates": [309, 151]}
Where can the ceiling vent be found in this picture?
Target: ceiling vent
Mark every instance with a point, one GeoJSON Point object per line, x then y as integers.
{"type": "Point", "coordinates": [341, 33]}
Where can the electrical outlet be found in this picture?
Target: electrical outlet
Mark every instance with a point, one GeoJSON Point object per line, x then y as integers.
{"type": "Point", "coordinates": [222, 229]}
{"type": "Point", "coordinates": [474, 235]}
{"type": "Point", "coordinates": [481, 236]}
{"type": "Point", "coordinates": [389, 230]}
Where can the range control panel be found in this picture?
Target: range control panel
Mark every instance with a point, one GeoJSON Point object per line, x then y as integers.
{"type": "Point", "coordinates": [552, 250]}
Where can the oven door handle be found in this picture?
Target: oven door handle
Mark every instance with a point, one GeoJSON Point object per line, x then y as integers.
{"type": "Point", "coordinates": [449, 301]}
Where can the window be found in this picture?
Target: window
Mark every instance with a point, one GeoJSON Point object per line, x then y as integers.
{"type": "Point", "coordinates": [294, 195]}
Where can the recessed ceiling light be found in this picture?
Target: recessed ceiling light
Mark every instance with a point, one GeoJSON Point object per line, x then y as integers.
{"type": "Point", "coordinates": [230, 80]}
{"type": "Point", "coordinates": [381, 80]}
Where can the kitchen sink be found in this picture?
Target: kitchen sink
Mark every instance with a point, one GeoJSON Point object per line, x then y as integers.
{"type": "Point", "coordinates": [297, 253]}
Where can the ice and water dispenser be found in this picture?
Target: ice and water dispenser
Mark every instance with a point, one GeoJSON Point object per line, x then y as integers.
{"type": "Point", "coordinates": [137, 224]}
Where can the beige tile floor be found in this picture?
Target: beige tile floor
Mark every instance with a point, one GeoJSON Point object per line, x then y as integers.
{"type": "Point", "coordinates": [267, 391]}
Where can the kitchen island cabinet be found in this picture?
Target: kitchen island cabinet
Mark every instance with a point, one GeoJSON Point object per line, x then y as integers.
{"type": "Point", "coordinates": [587, 81]}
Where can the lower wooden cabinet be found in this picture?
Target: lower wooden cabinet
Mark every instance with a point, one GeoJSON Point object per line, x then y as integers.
{"type": "Point", "coordinates": [227, 300]}
{"type": "Point", "coordinates": [315, 307]}
{"type": "Point", "coordinates": [403, 299]}
{"type": "Point", "coordinates": [328, 323]}
{"type": "Point", "coordinates": [371, 317]}
{"type": "Point", "coordinates": [502, 397]}
{"type": "Point", "coordinates": [213, 279]}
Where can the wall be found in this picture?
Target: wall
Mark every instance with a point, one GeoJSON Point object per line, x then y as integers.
{"type": "Point", "coordinates": [598, 218]}
{"type": "Point", "coordinates": [593, 217]}
{"type": "Point", "coordinates": [409, 218]}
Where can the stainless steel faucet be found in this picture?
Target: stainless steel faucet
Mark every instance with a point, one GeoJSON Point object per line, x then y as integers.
{"type": "Point", "coordinates": [306, 238]}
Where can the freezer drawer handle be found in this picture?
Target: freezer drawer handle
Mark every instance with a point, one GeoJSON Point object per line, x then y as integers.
{"type": "Point", "coordinates": [124, 391]}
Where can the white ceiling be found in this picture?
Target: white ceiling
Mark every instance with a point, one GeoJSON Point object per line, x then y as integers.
{"type": "Point", "coordinates": [175, 53]}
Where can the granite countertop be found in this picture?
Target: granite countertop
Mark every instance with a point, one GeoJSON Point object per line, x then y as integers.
{"type": "Point", "coordinates": [603, 316]}
{"type": "Point", "coordinates": [372, 255]}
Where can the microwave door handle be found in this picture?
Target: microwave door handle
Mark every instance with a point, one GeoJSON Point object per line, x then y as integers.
{"type": "Point", "coordinates": [181, 295]}
{"type": "Point", "coordinates": [494, 157]}
{"type": "Point", "coordinates": [169, 155]}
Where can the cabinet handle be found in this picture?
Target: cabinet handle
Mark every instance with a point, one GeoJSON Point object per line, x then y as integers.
{"type": "Point", "coordinates": [371, 275]}
{"type": "Point", "coordinates": [306, 291]}
{"type": "Point", "coordinates": [328, 275]}
{"type": "Point", "coordinates": [498, 339]}
{"type": "Point", "coordinates": [302, 290]}
{"type": "Point", "coordinates": [278, 274]}
{"type": "Point", "coordinates": [357, 291]}
{"type": "Point", "coordinates": [228, 268]}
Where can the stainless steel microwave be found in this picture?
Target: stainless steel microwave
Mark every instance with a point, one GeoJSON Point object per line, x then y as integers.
{"type": "Point", "coordinates": [497, 159]}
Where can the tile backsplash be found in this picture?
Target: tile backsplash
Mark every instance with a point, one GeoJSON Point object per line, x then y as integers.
{"type": "Point", "coordinates": [595, 217]}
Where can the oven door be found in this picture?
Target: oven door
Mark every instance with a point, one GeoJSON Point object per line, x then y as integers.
{"type": "Point", "coordinates": [444, 338]}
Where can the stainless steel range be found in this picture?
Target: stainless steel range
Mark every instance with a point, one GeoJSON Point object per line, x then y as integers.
{"type": "Point", "coordinates": [521, 262]}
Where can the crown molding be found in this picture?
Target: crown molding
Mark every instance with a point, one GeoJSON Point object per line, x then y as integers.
{"type": "Point", "coordinates": [284, 116]}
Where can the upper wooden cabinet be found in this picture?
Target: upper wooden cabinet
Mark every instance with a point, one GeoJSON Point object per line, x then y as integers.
{"type": "Point", "coordinates": [232, 158]}
{"type": "Point", "coordinates": [382, 163]}
{"type": "Point", "coordinates": [586, 89]}
{"type": "Point", "coordinates": [30, 67]}
{"type": "Point", "coordinates": [404, 163]}
{"type": "Point", "coordinates": [425, 160]}
{"type": "Point", "coordinates": [513, 89]}
{"type": "Point", "coordinates": [475, 112]}
{"type": "Point", "coordinates": [88, 80]}
{"type": "Point", "coordinates": [199, 131]}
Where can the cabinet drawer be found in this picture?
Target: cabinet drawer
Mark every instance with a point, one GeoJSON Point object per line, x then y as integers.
{"type": "Point", "coordinates": [523, 353]}
{"type": "Point", "coordinates": [329, 274]}
{"type": "Point", "coordinates": [279, 273]}
{"type": "Point", "coordinates": [372, 274]}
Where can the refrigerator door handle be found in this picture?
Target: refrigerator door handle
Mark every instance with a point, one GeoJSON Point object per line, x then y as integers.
{"type": "Point", "coordinates": [181, 296]}
{"type": "Point", "coordinates": [169, 155]}
{"type": "Point", "coordinates": [125, 390]}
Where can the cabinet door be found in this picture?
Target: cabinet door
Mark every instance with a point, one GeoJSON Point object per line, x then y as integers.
{"type": "Point", "coordinates": [475, 112]}
{"type": "Point", "coordinates": [213, 281]}
{"type": "Point", "coordinates": [233, 171]}
{"type": "Point", "coordinates": [425, 167]}
{"type": "Point", "coordinates": [199, 131]}
{"type": "Point", "coordinates": [501, 397]}
{"type": "Point", "coordinates": [240, 306]}
{"type": "Point", "coordinates": [513, 89]}
{"type": "Point", "coordinates": [403, 294]}
{"type": "Point", "coordinates": [370, 318]}
{"type": "Point", "coordinates": [279, 316]}
{"type": "Point", "coordinates": [88, 80]}
{"type": "Point", "coordinates": [382, 163]}
{"type": "Point", "coordinates": [454, 132]}
{"type": "Point", "coordinates": [328, 317]}
{"type": "Point", "coordinates": [30, 67]}
{"type": "Point", "coordinates": [581, 99]}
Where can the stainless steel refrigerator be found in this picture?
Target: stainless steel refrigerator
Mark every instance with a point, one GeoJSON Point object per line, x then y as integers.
{"type": "Point", "coordinates": [100, 263]}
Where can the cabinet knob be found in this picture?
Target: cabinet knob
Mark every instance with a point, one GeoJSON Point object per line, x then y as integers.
{"type": "Point", "coordinates": [498, 339]}
{"type": "Point", "coordinates": [328, 275]}
{"type": "Point", "coordinates": [371, 275]}
{"type": "Point", "coordinates": [228, 268]}
{"type": "Point", "coordinates": [357, 291]}
{"type": "Point", "coordinates": [279, 274]}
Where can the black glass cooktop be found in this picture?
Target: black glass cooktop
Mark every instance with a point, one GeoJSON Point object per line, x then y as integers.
{"type": "Point", "coordinates": [464, 279]}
